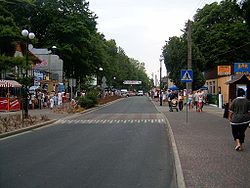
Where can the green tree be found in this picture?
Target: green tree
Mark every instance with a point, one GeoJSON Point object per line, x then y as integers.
{"type": "Point", "coordinates": [71, 26]}
{"type": "Point", "coordinates": [220, 34]}
{"type": "Point", "coordinates": [245, 11]}
{"type": "Point", "coordinates": [9, 34]}
{"type": "Point", "coordinates": [175, 59]}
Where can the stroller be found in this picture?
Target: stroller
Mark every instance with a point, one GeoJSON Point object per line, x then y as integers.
{"type": "Point", "coordinates": [174, 105]}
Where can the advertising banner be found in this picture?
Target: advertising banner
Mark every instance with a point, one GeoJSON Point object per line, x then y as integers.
{"type": "Point", "coordinates": [3, 104]}
{"type": "Point", "coordinates": [242, 68]}
{"type": "Point", "coordinates": [14, 104]}
{"type": "Point", "coordinates": [224, 70]}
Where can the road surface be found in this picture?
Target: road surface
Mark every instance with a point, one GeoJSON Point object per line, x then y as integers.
{"type": "Point", "coordinates": [121, 145]}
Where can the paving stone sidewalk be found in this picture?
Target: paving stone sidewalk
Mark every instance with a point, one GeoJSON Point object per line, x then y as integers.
{"type": "Point", "coordinates": [206, 149]}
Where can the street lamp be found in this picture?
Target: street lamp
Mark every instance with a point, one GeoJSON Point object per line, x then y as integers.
{"type": "Point", "coordinates": [28, 35]}
{"type": "Point", "coordinates": [53, 49]}
{"type": "Point", "coordinates": [161, 59]}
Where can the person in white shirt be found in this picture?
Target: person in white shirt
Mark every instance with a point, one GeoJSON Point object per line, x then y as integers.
{"type": "Point", "coordinates": [51, 101]}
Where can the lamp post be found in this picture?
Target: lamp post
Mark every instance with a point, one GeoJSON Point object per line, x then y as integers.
{"type": "Point", "coordinates": [28, 35]}
{"type": "Point", "coordinates": [161, 58]}
{"type": "Point", "coordinates": [53, 49]}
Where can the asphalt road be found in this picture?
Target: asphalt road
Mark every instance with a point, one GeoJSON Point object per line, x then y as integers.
{"type": "Point", "coordinates": [121, 145]}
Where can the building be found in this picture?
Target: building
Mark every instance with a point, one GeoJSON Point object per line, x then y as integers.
{"type": "Point", "coordinates": [49, 72]}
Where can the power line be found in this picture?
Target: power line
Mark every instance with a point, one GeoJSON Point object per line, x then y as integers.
{"type": "Point", "coordinates": [226, 52]}
{"type": "Point", "coordinates": [200, 3]}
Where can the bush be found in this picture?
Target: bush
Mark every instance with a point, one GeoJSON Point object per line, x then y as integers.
{"type": "Point", "coordinates": [89, 100]}
{"type": "Point", "coordinates": [212, 99]}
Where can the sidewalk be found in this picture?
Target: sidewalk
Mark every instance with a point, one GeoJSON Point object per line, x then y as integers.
{"type": "Point", "coordinates": [206, 149]}
{"type": "Point", "coordinates": [51, 114]}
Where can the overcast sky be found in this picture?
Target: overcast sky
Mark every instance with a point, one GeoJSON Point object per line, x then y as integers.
{"type": "Point", "coordinates": [141, 27]}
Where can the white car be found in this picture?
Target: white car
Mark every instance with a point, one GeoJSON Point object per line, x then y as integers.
{"type": "Point", "coordinates": [124, 92]}
{"type": "Point", "coordinates": [140, 93]}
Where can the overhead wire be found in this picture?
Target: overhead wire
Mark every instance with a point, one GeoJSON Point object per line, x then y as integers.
{"type": "Point", "coordinates": [199, 5]}
{"type": "Point", "coordinates": [226, 52]}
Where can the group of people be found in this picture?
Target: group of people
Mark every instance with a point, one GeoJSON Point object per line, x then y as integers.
{"type": "Point", "coordinates": [239, 109]}
{"type": "Point", "coordinates": [176, 100]}
{"type": "Point", "coordinates": [41, 100]}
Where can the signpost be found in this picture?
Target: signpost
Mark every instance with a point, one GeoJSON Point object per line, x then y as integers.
{"type": "Point", "coordinates": [132, 82]}
{"type": "Point", "coordinates": [187, 77]}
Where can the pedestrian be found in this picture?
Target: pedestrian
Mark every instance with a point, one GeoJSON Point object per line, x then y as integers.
{"type": "Point", "coordinates": [171, 96]}
{"type": "Point", "coordinates": [239, 116]}
{"type": "Point", "coordinates": [196, 99]}
{"type": "Point", "coordinates": [190, 100]}
{"type": "Point", "coordinates": [51, 103]}
{"type": "Point", "coordinates": [180, 101]}
{"type": "Point", "coordinates": [200, 102]}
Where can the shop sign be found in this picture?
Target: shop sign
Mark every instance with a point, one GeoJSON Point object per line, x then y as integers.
{"type": "Point", "coordinates": [14, 104]}
{"type": "Point", "coordinates": [242, 68]}
{"type": "Point", "coordinates": [224, 70]}
{"type": "Point", "coordinates": [3, 104]}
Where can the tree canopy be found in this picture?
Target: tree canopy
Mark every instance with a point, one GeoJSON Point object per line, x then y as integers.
{"type": "Point", "coordinates": [220, 36]}
{"type": "Point", "coordinates": [70, 26]}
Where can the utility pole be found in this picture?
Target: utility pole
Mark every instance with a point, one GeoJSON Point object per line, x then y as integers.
{"type": "Point", "coordinates": [189, 46]}
{"type": "Point", "coordinates": [161, 59]}
{"type": "Point", "coordinates": [189, 63]}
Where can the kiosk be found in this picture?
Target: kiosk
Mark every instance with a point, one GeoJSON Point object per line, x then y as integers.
{"type": "Point", "coordinates": [10, 95]}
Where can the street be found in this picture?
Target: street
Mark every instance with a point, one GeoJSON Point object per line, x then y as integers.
{"type": "Point", "coordinates": [124, 144]}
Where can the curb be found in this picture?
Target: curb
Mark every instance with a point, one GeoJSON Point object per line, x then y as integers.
{"type": "Point", "coordinates": [177, 163]}
{"type": "Point", "coordinates": [178, 168]}
{"type": "Point", "coordinates": [3, 135]}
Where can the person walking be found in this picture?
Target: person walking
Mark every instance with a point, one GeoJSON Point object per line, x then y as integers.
{"type": "Point", "coordinates": [190, 100]}
{"type": "Point", "coordinates": [180, 101]}
{"type": "Point", "coordinates": [196, 100]}
{"type": "Point", "coordinates": [51, 101]}
{"type": "Point", "coordinates": [200, 102]}
{"type": "Point", "coordinates": [239, 117]}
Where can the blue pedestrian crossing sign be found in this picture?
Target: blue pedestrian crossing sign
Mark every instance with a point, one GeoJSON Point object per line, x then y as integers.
{"type": "Point", "coordinates": [186, 75]}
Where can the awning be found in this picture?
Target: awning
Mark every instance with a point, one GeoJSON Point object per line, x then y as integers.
{"type": "Point", "coordinates": [33, 88]}
{"type": "Point", "coordinates": [9, 83]}
{"type": "Point", "coordinates": [173, 87]}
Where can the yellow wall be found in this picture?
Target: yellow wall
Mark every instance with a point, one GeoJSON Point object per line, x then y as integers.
{"type": "Point", "coordinates": [215, 84]}
{"type": "Point", "coordinates": [224, 87]}
{"type": "Point", "coordinates": [212, 86]}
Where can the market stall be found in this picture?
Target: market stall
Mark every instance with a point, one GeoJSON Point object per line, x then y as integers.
{"type": "Point", "coordinates": [10, 95]}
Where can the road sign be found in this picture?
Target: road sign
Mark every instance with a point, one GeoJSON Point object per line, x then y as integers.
{"type": "Point", "coordinates": [132, 82]}
{"type": "Point", "coordinates": [186, 75]}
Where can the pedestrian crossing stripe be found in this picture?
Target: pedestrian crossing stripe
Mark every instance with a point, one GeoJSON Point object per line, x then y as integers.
{"type": "Point", "coordinates": [105, 121]}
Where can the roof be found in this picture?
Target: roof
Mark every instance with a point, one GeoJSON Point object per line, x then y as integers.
{"type": "Point", "coordinates": [9, 83]}
{"type": "Point", "coordinates": [236, 78]}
